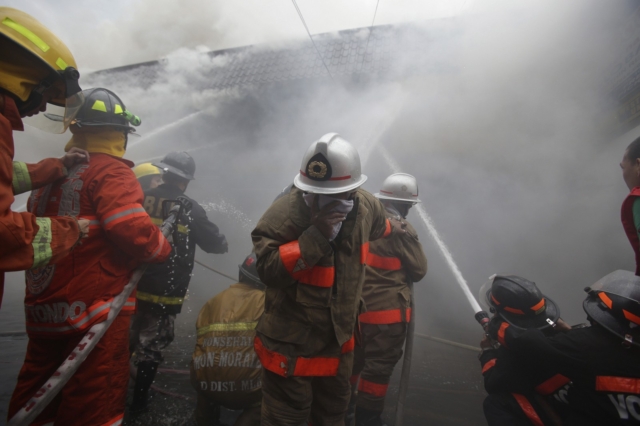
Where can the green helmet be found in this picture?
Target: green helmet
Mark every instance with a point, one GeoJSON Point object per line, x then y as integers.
{"type": "Point", "coordinates": [102, 107]}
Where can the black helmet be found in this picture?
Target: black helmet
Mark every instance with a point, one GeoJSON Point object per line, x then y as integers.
{"type": "Point", "coordinates": [614, 303]}
{"type": "Point", "coordinates": [519, 302]}
{"type": "Point", "coordinates": [249, 270]}
{"type": "Point", "coordinates": [178, 163]}
{"type": "Point", "coordinates": [102, 107]}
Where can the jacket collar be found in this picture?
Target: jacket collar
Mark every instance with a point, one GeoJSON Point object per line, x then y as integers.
{"type": "Point", "coordinates": [12, 114]}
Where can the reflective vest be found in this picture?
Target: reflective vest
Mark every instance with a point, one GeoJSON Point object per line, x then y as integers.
{"type": "Point", "coordinates": [224, 365]}
{"type": "Point", "coordinates": [76, 293]}
{"type": "Point", "coordinates": [629, 225]}
{"type": "Point", "coordinates": [391, 263]}
{"type": "Point", "coordinates": [27, 241]}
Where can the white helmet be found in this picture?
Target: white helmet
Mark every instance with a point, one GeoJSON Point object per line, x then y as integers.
{"type": "Point", "coordinates": [330, 166]}
{"type": "Point", "coordinates": [399, 187]}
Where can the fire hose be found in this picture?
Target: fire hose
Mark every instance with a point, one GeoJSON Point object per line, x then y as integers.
{"type": "Point", "coordinates": [406, 364]}
{"type": "Point", "coordinates": [67, 369]}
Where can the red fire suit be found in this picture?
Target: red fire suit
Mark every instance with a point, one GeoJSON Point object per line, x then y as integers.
{"type": "Point", "coordinates": [629, 225]}
{"type": "Point", "coordinates": [63, 301]}
{"type": "Point", "coordinates": [27, 241]}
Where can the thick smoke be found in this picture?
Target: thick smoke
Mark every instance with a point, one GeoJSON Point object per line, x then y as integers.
{"type": "Point", "coordinates": [504, 135]}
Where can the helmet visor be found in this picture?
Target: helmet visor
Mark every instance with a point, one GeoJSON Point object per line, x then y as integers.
{"type": "Point", "coordinates": [483, 294]}
{"type": "Point", "coordinates": [56, 119]}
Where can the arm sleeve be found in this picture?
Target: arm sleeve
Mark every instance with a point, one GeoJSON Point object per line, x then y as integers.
{"type": "Point", "coordinates": [27, 241]}
{"type": "Point", "coordinates": [283, 258]}
{"type": "Point", "coordinates": [414, 261]}
{"type": "Point", "coordinates": [116, 196]}
{"type": "Point", "coordinates": [207, 234]}
{"type": "Point", "coordinates": [33, 176]}
{"type": "Point", "coordinates": [380, 225]}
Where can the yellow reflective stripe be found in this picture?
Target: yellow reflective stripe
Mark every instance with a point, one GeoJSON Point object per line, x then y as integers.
{"type": "Point", "coordinates": [42, 243]}
{"type": "Point", "coordinates": [21, 178]}
{"type": "Point", "coordinates": [159, 299]}
{"type": "Point", "coordinates": [26, 33]}
{"type": "Point", "coordinates": [99, 106]}
{"type": "Point", "coordinates": [117, 109]}
{"type": "Point", "coordinates": [61, 64]}
{"type": "Point", "coordinates": [228, 326]}
{"type": "Point", "coordinates": [181, 228]}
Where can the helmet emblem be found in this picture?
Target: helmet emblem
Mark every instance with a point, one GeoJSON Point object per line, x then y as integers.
{"type": "Point", "coordinates": [404, 188]}
{"type": "Point", "coordinates": [317, 169]}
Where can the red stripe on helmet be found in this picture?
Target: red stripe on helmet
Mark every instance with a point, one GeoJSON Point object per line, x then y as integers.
{"type": "Point", "coordinates": [331, 178]}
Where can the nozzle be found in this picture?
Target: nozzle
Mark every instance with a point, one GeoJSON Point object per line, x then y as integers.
{"type": "Point", "coordinates": [483, 319]}
{"type": "Point", "coordinates": [133, 119]}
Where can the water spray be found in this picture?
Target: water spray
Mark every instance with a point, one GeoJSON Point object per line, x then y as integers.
{"type": "Point", "coordinates": [480, 315]}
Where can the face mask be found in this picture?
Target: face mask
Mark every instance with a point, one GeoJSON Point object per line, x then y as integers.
{"type": "Point", "coordinates": [344, 207]}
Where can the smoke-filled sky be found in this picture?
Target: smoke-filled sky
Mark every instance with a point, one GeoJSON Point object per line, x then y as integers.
{"type": "Point", "coordinates": [506, 140]}
{"type": "Point", "coordinates": [104, 34]}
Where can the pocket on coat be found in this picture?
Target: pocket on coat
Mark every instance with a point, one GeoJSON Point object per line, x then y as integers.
{"type": "Point", "coordinates": [313, 296]}
{"type": "Point", "coordinates": [283, 329]}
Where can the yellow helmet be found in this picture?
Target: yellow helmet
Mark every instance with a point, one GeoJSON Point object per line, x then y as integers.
{"type": "Point", "coordinates": [35, 60]}
{"type": "Point", "coordinates": [146, 169]}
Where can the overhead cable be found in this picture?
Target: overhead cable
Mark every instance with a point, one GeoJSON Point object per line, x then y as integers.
{"type": "Point", "coordinates": [311, 38]}
{"type": "Point", "coordinates": [375, 12]}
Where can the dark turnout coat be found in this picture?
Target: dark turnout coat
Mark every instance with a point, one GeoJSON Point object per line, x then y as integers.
{"type": "Point", "coordinates": [313, 286]}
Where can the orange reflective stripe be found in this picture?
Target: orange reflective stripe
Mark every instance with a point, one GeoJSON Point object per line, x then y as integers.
{"type": "Point", "coordinates": [388, 263]}
{"type": "Point", "coordinates": [617, 384]}
{"type": "Point", "coordinates": [319, 276]}
{"type": "Point", "coordinates": [304, 367]}
{"type": "Point", "coordinates": [121, 214]}
{"type": "Point", "coordinates": [348, 346]}
{"type": "Point", "coordinates": [391, 316]}
{"type": "Point", "coordinates": [364, 252]}
{"type": "Point", "coordinates": [316, 367]}
{"type": "Point", "coordinates": [116, 421]}
{"type": "Point", "coordinates": [605, 299]}
{"type": "Point", "coordinates": [272, 361]}
{"type": "Point", "coordinates": [130, 304]}
{"type": "Point", "coordinates": [538, 305]}
{"type": "Point", "coordinates": [501, 332]}
{"type": "Point", "coordinates": [551, 385]}
{"type": "Point", "coordinates": [513, 310]}
{"type": "Point", "coordinates": [488, 365]}
{"type": "Point", "coordinates": [387, 231]}
{"type": "Point", "coordinates": [375, 389]}
{"type": "Point", "coordinates": [528, 409]}
{"type": "Point", "coordinates": [631, 317]}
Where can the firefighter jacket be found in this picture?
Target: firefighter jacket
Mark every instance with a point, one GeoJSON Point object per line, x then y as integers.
{"type": "Point", "coordinates": [224, 365]}
{"type": "Point", "coordinates": [163, 287]}
{"type": "Point", "coordinates": [313, 286]}
{"type": "Point", "coordinates": [629, 224]}
{"type": "Point", "coordinates": [604, 376]}
{"type": "Point", "coordinates": [392, 264]}
{"type": "Point", "coordinates": [71, 296]}
{"type": "Point", "coordinates": [25, 240]}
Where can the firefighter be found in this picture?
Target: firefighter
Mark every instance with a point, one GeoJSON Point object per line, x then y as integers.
{"type": "Point", "coordinates": [162, 288]}
{"type": "Point", "coordinates": [515, 398]}
{"type": "Point", "coordinates": [393, 263]}
{"type": "Point", "coordinates": [148, 175]}
{"type": "Point", "coordinates": [36, 68]}
{"type": "Point", "coordinates": [225, 370]}
{"type": "Point", "coordinates": [311, 245]}
{"type": "Point", "coordinates": [64, 300]}
{"type": "Point", "coordinates": [630, 166]}
{"type": "Point", "coordinates": [600, 361]}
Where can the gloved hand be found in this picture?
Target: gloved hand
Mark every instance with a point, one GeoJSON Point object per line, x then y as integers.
{"type": "Point", "coordinates": [397, 226]}
{"type": "Point", "coordinates": [324, 219]}
{"type": "Point", "coordinates": [74, 156]}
